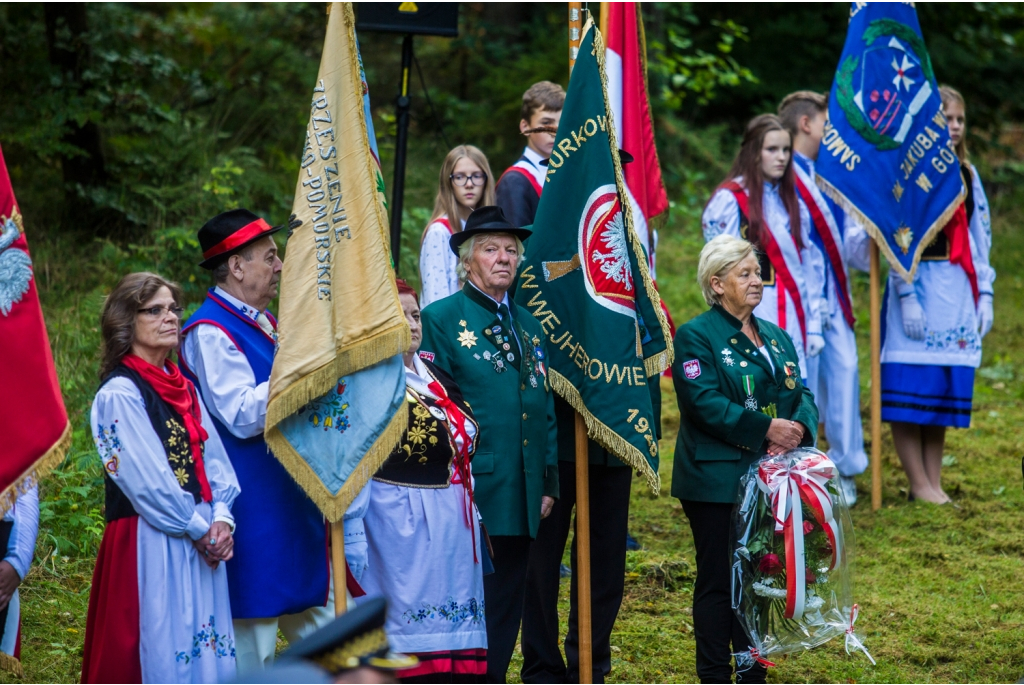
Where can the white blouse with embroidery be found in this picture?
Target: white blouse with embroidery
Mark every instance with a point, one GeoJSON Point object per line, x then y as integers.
{"type": "Point", "coordinates": [439, 276]}
{"type": "Point", "coordinates": [951, 318]}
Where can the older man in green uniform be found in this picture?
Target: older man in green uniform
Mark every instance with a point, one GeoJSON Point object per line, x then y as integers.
{"type": "Point", "coordinates": [740, 396]}
{"type": "Point", "coordinates": [496, 353]}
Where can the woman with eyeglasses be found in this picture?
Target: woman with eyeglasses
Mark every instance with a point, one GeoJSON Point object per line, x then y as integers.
{"type": "Point", "coordinates": [159, 608]}
{"type": "Point", "coordinates": [465, 184]}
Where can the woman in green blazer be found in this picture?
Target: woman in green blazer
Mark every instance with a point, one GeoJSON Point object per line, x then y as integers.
{"type": "Point", "coordinates": [740, 396]}
{"type": "Point", "coordinates": [496, 353]}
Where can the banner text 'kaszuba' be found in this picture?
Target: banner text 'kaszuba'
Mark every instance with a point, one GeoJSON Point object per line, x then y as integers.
{"type": "Point", "coordinates": [323, 191]}
{"type": "Point", "coordinates": [594, 368]}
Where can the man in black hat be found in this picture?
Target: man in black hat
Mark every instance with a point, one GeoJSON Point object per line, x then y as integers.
{"type": "Point", "coordinates": [496, 352]}
{"type": "Point", "coordinates": [279, 577]}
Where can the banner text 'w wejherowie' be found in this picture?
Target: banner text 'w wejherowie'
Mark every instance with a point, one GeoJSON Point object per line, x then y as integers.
{"type": "Point", "coordinates": [586, 278]}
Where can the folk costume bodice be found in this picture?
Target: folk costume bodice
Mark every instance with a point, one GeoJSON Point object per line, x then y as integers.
{"type": "Point", "coordinates": [169, 426]}
{"type": "Point", "coordinates": [438, 446]}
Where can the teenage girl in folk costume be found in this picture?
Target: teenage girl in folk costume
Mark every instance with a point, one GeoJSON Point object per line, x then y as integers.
{"type": "Point", "coordinates": [758, 201]}
{"type": "Point", "coordinates": [465, 184]}
{"type": "Point", "coordinates": [931, 340]}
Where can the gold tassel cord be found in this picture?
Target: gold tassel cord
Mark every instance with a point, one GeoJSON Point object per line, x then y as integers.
{"type": "Point", "coordinates": [668, 356]}
{"type": "Point", "coordinates": [333, 505]}
{"type": "Point", "coordinates": [879, 236]}
{"type": "Point", "coordinates": [318, 383]}
{"type": "Point", "coordinates": [40, 469]}
{"type": "Point", "coordinates": [604, 435]}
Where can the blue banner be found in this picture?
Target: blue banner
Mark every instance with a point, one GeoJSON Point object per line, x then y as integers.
{"type": "Point", "coordinates": [886, 156]}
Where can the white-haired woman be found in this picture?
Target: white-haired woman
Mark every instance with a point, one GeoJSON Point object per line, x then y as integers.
{"type": "Point", "coordinates": [495, 352]}
{"type": "Point", "coordinates": [740, 395]}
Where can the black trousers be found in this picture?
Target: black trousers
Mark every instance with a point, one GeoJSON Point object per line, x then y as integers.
{"type": "Point", "coordinates": [609, 516]}
{"type": "Point", "coordinates": [503, 598]}
{"type": "Point", "coordinates": [715, 626]}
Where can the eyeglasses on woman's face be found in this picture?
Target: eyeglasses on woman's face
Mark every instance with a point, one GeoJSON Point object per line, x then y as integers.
{"type": "Point", "coordinates": [478, 178]}
{"type": "Point", "coordinates": [158, 311]}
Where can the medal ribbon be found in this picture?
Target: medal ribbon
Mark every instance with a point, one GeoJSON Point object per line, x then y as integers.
{"type": "Point", "coordinates": [457, 421]}
{"type": "Point", "coordinates": [787, 482]}
{"type": "Point", "coordinates": [748, 385]}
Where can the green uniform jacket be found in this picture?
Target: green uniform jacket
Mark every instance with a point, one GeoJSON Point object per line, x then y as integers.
{"type": "Point", "coordinates": [722, 427]}
{"type": "Point", "coordinates": [516, 459]}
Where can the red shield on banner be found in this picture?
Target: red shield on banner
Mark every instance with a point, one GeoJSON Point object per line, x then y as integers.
{"type": "Point", "coordinates": [34, 422]}
{"type": "Point", "coordinates": [604, 253]}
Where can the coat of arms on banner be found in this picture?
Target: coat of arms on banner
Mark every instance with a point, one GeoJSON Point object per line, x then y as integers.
{"type": "Point", "coordinates": [884, 89]}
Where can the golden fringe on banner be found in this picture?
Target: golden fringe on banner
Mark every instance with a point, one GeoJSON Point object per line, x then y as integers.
{"type": "Point", "coordinates": [40, 469]}
{"type": "Point", "coordinates": [318, 383]}
{"type": "Point", "coordinates": [334, 506]}
{"type": "Point", "coordinates": [662, 360]}
{"type": "Point", "coordinates": [604, 435]}
{"type": "Point", "coordinates": [10, 664]}
{"type": "Point", "coordinates": [880, 238]}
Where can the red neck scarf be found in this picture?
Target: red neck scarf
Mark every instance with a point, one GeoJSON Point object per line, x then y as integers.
{"type": "Point", "coordinates": [179, 393]}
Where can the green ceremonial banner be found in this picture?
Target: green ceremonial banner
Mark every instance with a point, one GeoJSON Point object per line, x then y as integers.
{"type": "Point", "coordinates": [586, 278]}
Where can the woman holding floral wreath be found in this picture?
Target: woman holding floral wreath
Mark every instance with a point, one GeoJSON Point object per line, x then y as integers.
{"type": "Point", "coordinates": [740, 396]}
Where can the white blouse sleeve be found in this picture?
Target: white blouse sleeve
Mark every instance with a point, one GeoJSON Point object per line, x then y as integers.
{"type": "Point", "coordinates": [226, 381]}
{"type": "Point", "coordinates": [135, 459]}
{"type": "Point", "coordinates": [814, 271]}
{"type": "Point", "coordinates": [22, 545]}
{"type": "Point", "coordinates": [219, 472]}
{"type": "Point", "coordinates": [981, 236]}
{"type": "Point", "coordinates": [721, 216]}
{"type": "Point", "coordinates": [856, 243]}
{"type": "Point", "coordinates": [435, 278]}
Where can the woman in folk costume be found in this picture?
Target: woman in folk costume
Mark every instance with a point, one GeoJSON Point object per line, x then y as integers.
{"type": "Point", "coordinates": [758, 201]}
{"type": "Point", "coordinates": [931, 341]}
{"type": "Point", "coordinates": [159, 608]}
{"type": "Point", "coordinates": [425, 552]}
{"type": "Point", "coordinates": [465, 184]}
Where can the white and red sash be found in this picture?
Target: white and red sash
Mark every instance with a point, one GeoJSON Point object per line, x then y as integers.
{"type": "Point", "coordinates": [439, 220]}
{"type": "Point", "coordinates": [782, 273]}
{"type": "Point", "coordinates": [825, 223]}
{"type": "Point", "coordinates": [523, 166]}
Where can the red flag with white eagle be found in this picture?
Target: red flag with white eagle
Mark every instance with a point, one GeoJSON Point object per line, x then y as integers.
{"type": "Point", "coordinates": [626, 67]}
{"type": "Point", "coordinates": [33, 422]}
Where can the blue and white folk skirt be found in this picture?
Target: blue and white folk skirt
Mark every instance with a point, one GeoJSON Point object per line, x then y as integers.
{"type": "Point", "coordinates": [927, 394]}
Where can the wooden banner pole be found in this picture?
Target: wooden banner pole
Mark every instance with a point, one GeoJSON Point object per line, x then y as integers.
{"type": "Point", "coordinates": [582, 534]}
{"type": "Point", "coordinates": [876, 381]}
{"type": "Point", "coordinates": [582, 570]}
{"type": "Point", "coordinates": [338, 566]}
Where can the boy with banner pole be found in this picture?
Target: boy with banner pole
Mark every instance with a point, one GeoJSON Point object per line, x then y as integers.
{"type": "Point", "coordinates": [587, 281]}
{"type": "Point", "coordinates": [336, 401]}
{"type": "Point", "coordinates": [886, 159]}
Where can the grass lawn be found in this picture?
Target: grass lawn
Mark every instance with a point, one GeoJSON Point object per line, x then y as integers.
{"type": "Point", "coordinates": [941, 590]}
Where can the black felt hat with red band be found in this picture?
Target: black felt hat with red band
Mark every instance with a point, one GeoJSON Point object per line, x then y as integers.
{"type": "Point", "coordinates": [228, 232]}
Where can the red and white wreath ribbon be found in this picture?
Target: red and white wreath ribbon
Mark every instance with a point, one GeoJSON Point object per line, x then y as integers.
{"type": "Point", "coordinates": [786, 482]}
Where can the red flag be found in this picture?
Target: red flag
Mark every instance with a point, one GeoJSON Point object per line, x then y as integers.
{"type": "Point", "coordinates": [626, 67]}
{"type": "Point", "coordinates": [33, 422]}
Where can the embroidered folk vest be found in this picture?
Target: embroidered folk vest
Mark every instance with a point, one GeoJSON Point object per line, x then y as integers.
{"type": "Point", "coordinates": [424, 457]}
{"type": "Point", "coordinates": [170, 428]}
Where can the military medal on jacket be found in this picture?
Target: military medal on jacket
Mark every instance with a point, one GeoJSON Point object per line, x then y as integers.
{"type": "Point", "coordinates": [727, 357]}
{"type": "Point", "coordinates": [748, 387]}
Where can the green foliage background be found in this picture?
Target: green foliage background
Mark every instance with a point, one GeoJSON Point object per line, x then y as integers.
{"type": "Point", "coordinates": [126, 126]}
